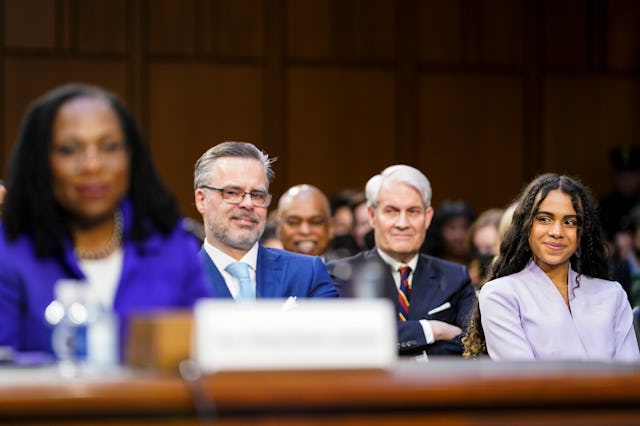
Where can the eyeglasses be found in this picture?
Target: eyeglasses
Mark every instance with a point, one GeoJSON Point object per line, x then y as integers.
{"type": "Point", "coordinates": [234, 195]}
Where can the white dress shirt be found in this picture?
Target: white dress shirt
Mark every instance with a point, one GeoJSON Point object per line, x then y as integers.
{"type": "Point", "coordinates": [222, 260]}
{"type": "Point", "coordinates": [103, 276]}
{"type": "Point", "coordinates": [413, 263]}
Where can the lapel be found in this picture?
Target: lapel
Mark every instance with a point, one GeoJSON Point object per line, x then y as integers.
{"type": "Point", "coordinates": [270, 280]}
{"type": "Point", "coordinates": [218, 284]}
{"type": "Point", "coordinates": [426, 289]}
{"type": "Point", "coordinates": [390, 290]}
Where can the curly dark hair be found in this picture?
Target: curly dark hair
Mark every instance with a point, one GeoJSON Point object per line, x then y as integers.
{"type": "Point", "coordinates": [589, 259]}
{"type": "Point", "coordinates": [30, 207]}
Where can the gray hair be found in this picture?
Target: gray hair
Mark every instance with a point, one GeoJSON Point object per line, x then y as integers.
{"type": "Point", "coordinates": [203, 166]}
{"type": "Point", "coordinates": [398, 173]}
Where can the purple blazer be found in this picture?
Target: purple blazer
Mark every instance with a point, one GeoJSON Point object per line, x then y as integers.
{"type": "Point", "coordinates": [163, 271]}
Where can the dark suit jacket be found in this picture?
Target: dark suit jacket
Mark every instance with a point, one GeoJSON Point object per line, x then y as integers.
{"type": "Point", "coordinates": [280, 274]}
{"type": "Point", "coordinates": [435, 282]}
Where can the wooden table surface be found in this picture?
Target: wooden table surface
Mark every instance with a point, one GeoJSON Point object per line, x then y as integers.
{"type": "Point", "coordinates": [445, 391]}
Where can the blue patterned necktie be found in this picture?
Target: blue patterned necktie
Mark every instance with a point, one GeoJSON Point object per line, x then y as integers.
{"type": "Point", "coordinates": [240, 270]}
{"type": "Point", "coordinates": [404, 292]}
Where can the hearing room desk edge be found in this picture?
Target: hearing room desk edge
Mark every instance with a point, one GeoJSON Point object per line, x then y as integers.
{"type": "Point", "coordinates": [444, 391]}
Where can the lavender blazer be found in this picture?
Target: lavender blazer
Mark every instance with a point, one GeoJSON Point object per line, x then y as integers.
{"type": "Point", "coordinates": [524, 317]}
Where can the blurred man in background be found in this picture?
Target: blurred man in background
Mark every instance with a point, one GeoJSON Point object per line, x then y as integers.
{"type": "Point", "coordinates": [304, 223]}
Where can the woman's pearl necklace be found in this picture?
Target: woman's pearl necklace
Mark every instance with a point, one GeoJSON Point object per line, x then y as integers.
{"type": "Point", "coordinates": [112, 245]}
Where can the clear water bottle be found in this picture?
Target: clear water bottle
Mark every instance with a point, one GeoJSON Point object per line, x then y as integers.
{"type": "Point", "coordinates": [102, 338]}
{"type": "Point", "coordinates": [84, 335]}
{"type": "Point", "coordinates": [369, 281]}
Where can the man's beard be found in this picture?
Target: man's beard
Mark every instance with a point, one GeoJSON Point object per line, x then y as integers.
{"type": "Point", "coordinates": [237, 239]}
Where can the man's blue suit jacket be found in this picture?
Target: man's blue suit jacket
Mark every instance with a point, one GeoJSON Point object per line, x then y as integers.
{"type": "Point", "coordinates": [435, 283]}
{"type": "Point", "coordinates": [279, 274]}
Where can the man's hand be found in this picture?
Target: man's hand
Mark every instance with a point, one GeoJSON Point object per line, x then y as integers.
{"type": "Point", "coordinates": [444, 331]}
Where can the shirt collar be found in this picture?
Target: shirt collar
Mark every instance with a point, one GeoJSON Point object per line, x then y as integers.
{"type": "Point", "coordinates": [222, 259]}
{"type": "Point", "coordinates": [395, 264]}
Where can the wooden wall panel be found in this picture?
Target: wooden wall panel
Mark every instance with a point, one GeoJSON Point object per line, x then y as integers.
{"type": "Point", "coordinates": [623, 35]}
{"type": "Point", "coordinates": [503, 82]}
{"type": "Point", "coordinates": [341, 127]}
{"type": "Point", "coordinates": [239, 27]}
{"type": "Point", "coordinates": [193, 107]}
{"type": "Point", "coordinates": [471, 136]}
{"type": "Point", "coordinates": [502, 32]}
{"type": "Point", "coordinates": [341, 29]}
{"type": "Point", "coordinates": [172, 26]}
{"type": "Point", "coordinates": [585, 118]}
{"type": "Point", "coordinates": [308, 28]}
{"type": "Point", "coordinates": [374, 30]}
{"type": "Point", "coordinates": [25, 29]}
{"type": "Point", "coordinates": [101, 25]}
{"type": "Point", "coordinates": [566, 34]}
{"type": "Point", "coordinates": [28, 78]}
{"type": "Point", "coordinates": [440, 31]}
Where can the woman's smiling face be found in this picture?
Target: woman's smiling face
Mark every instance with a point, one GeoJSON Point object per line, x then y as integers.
{"type": "Point", "coordinates": [554, 231]}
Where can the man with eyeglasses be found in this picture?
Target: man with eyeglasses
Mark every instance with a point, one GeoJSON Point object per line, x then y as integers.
{"type": "Point", "coordinates": [231, 183]}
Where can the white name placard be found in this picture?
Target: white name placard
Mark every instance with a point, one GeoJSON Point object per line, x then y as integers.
{"type": "Point", "coordinates": [269, 334]}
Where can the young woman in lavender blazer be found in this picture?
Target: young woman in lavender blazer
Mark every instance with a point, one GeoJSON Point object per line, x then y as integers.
{"type": "Point", "coordinates": [548, 296]}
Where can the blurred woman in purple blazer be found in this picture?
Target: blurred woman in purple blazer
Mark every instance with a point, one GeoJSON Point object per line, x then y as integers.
{"type": "Point", "coordinates": [84, 202]}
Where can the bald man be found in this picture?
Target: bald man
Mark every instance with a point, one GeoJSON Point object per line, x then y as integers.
{"type": "Point", "coordinates": [304, 223]}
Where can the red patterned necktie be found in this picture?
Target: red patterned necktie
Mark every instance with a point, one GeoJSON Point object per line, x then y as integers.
{"type": "Point", "coordinates": [404, 293]}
